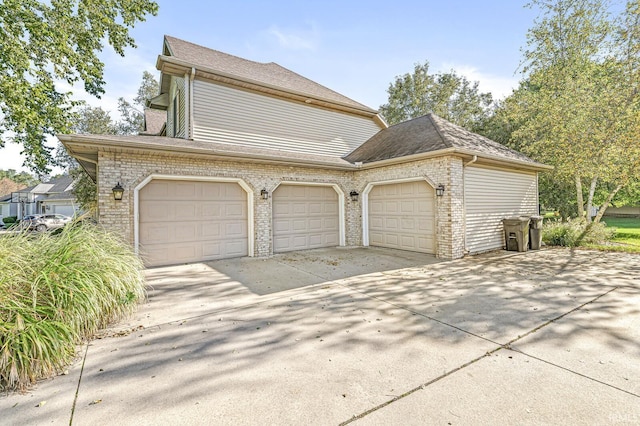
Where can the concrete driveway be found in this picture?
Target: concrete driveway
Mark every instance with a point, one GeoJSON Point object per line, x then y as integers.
{"type": "Point", "coordinates": [364, 336]}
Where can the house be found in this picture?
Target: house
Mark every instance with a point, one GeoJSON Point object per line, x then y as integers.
{"type": "Point", "coordinates": [253, 159]}
{"type": "Point", "coordinates": [624, 211]}
{"type": "Point", "coordinates": [53, 196]}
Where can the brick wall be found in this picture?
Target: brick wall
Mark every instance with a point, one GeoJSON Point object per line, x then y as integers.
{"type": "Point", "coordinates": [131, 169]}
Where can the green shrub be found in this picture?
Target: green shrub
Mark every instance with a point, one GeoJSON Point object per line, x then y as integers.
{"type": "Point", "coordinates": [575, 232]}
{"type": "Point", "coordinates": [10, 219]}
{"type": "Point", "coordinates": [55, 291]}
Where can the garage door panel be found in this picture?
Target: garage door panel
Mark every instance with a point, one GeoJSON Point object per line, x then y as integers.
{"type": "Point", "coordinates": [402, 216]}
{"type": "Point", "coordinates": [211, 250]}
{"type": "Point", "coordinates": [154, 233]}
{"type": "Point", "coordinates": [409, 207]}
{"type": "Point", "coordinates": [299, 208]}
{"type": "Point", "coordinates": [234, 210]}
{"type": "Point", "coordinates": [184, 232]}
{"type": "Point", "coordinates": [304, 216]}
{"type": "Point", "coordinates": [315, 224]}
{"type": "Point", "coordinates": [183, 221]}
{"type": "Point", "coordinates": [185, 212]}
{"type": "Point", "coordinates": [211, 230]}
{"type": "Point", "coordinates": [235, 229]}
{"type": "Point", "coordinates": [315, 208]}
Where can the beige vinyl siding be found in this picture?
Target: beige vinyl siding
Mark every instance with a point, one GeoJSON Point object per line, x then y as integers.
{"type": "Point", "coordinates": [491, 195]}
{"type": "Point", "coordinates": [227, 115]}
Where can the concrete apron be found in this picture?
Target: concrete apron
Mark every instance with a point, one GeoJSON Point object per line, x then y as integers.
{"type": "Point", "coordinates": [366, 335]}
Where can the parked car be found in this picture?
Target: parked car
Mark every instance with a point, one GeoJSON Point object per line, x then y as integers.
{"type": "Point", "coordinates": [45, 222]}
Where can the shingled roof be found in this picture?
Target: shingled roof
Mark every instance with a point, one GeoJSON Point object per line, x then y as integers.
{"type": "Point", "coordinates": [428, 133]}
{"type": "Point", "coordinates": [268, 74]}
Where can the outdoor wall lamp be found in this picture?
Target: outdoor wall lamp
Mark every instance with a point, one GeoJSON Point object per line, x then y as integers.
{"type": "Point", "coordinates": [264, 193]}
{"type": "Point", "coordinates": [118, 190]}
{"type": "Point", "coordinates": [440, 190]}
{"type": "Point", "coordinates": [354, 195]}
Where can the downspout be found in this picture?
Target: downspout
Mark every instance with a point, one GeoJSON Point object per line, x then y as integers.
{"type": "Point", "coordinates": [190, 113]}
{"type": "Point", "coordinates": [464, 201]}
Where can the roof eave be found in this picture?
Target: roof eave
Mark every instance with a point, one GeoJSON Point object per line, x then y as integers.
{"type": "Point", "coordinates": [173, 66]}
{"type": "Point", "coordinates": [483, 158]}
{"type": "Point", "coordinates": [70, 140]}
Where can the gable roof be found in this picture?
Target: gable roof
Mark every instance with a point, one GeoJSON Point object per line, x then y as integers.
{"type": "Point", "coordinates": [52, 186]}
{"type": "Point", "coordinates": [155, 121]}
{"type": "Point", "coordinates": [269, 75]}
{"type": "Point", "coordinates": [426, 134]}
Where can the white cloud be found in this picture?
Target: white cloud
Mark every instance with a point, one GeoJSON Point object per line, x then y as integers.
{"type": "Point", "coordinates": [295, 39]}
{"type": "Point", "coordinates": [499, 86]}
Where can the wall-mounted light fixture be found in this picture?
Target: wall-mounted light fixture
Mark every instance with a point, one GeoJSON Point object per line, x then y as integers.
{"type": "Point", "coordinates": [264, 194]}
{"type": "Point", "coordinates": [354, 195]}
{"type": "Point", "coordinates": [440, 190]}
{"type": "Point", "coordinates": [118, 191]}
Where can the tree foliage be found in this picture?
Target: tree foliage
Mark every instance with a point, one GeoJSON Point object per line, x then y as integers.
{"type": "Point", "coordinates": [449, 95]}
{"type": "Point", "coordinates": [22, 178]}
{"type": "Point", "coordinates": [578, 107]}
{"type": "Point", "coordinates": [97, 121]}
{"type": "Point", "coordinates": [44, 43]}
{"type": "Point", "coordinates": [132, 113]}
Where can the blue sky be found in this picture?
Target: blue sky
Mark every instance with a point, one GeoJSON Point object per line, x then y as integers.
{"type": "Point", "coordinates": [353, 47]}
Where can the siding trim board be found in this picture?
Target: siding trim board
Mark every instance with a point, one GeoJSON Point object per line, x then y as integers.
{"type": "Point", "coordinates": [242, 183]}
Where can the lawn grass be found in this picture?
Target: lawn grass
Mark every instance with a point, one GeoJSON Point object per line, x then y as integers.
{"type": "Point", "coordinates": [627, 238]}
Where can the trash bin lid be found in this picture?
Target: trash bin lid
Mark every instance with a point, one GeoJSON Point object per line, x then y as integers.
{"type": "Point", "coordinates": [512, 220]}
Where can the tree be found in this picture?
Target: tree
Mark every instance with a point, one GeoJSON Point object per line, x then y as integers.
{"type": "Point", "coordinates": [46, 42]}
{"type": "Point", "coordinates": [578, 108]}
{"type": "Point", "coordinates": [132, 114]}
{"type": "Point", "coordinates": [22, 178]}
{"type": "Point", "coordinates": [88, 120]}
{"type": "Point", "coordinates": [448, 95]}
{"type": "Point", "coordinates": [97, 121]}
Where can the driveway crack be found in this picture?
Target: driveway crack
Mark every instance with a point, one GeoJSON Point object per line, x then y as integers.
{"type": "Point", "coordinates": [506, 346]}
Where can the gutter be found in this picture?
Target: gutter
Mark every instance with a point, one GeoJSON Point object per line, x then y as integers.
{"type": "Point", "coordinates": [238, 156]}
{"type": "Point", "coordinates": [450, 151]}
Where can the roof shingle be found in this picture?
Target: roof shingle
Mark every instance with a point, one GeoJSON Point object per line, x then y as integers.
{"type": "Point", "coordinates": [427, 134]}
{"type": "Point", "coordinates": [270, 74]}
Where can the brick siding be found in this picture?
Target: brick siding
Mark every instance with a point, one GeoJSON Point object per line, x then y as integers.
{"type": "Point", "coordinates": [131, 169]}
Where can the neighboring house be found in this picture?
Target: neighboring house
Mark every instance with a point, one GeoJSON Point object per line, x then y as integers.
{"type": "Point", "coordinates": [254, 159]}
{"type": "Point", "coordinates": [54, 196]}
{"type": "Point", "coordinates": [624, 211]}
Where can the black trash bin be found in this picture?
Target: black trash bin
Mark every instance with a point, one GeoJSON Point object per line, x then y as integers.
{"type": "Point", "coordinates": [535, 232]}
{"type": "Point", "coordinates": [516, 233]}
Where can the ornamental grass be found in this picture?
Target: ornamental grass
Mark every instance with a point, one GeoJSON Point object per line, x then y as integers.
{"type": "Point", "coordinates": [56, 290]}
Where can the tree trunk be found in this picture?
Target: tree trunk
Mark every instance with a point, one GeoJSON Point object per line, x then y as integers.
{"type": "Point", "coordinates": [579, 196]}
{"type": "Point", "coordinates": [604, 206]}
{"type": "Point", "coordinates": [592, 190]}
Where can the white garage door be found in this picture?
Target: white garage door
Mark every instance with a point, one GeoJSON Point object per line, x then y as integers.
{"type": "Point", "coordinates": [188, 221]}
{"type": "Point", "coordinates": [402, 216]}
{"type": "Point", "coordinates": [305, 217]}
{"type": "Point", "coordinates": [490, 195]}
